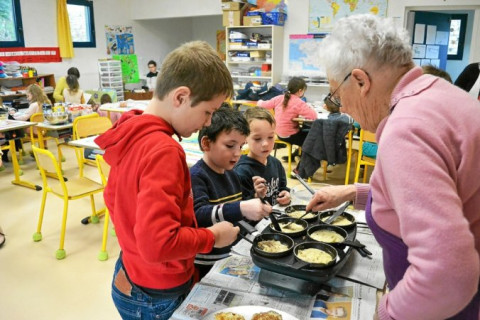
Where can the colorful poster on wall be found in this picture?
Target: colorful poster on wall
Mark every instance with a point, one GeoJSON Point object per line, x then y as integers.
{"type": "Point", "coordinates": [119, 40]}
{"type": "Point", "coordinates": [323, 14]}
{"type": "Point", "coordinates": [270, 5]}
{"type": "Point", "coordinates": [129, 67]}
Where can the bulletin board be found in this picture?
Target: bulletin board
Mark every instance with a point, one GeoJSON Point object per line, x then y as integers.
{"type": "Point", "coordinates": [129, 67]}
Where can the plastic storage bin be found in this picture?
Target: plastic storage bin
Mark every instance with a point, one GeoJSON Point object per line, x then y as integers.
{"type": "Point", "coordinates": [275, 18]}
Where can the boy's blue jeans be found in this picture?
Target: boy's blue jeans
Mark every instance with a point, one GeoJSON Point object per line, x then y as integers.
{"type": "Point", "coordinates": [133, 303]}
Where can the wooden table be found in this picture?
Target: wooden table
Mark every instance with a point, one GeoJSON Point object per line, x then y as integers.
{"type": "Point", "coordinates": [10, 125]}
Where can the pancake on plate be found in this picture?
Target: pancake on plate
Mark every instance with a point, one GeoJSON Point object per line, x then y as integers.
{"type": "Point", "coordinates": [228, 316]}
{"type": "Point", "coordinates": [269, 315]}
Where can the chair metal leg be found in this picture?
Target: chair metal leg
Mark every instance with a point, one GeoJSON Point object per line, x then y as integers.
{"type": "Point", "coordinates": [365, 173]}
{"type": "Point", "coordinates": [289, 147]}
{"type": "Point", "coordinates": [61, 254]}
{"type": "Point", "coordinates": [103, 254]}
{"type": "Point", "coordinates": [94, 218]}
{"type": "Point", "coordinates": [325, 168]}
{"type": "Point", "coordinates": [37, 236]}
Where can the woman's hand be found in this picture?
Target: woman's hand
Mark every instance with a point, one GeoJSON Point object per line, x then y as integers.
{"type": "Point", "coordinates": [284, 198]}
{"type": "Point", "coordinates": [331, 197]}
{"type": "Point", "coordinates": [260, 186]}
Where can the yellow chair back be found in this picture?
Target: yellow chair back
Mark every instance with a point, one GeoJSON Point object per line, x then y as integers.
{"type": "Point", "coordinates": [365, 136]}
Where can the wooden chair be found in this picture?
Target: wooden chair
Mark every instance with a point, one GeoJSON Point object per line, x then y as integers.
{"type": "Point", "coordinates": [104, 171]}
{"type": "Point", "coordinates": [75, 188]}
{"type": "Point", "coordinates": [365, 136]}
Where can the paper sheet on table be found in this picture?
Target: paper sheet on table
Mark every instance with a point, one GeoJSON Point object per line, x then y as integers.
{"type": "Point", "coordinates": [350, 301]}
{"type": "Point", "coordinates": [364, 270]}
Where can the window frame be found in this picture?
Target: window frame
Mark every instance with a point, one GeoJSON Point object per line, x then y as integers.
{"type": "Point", "coordinates": [92, 43]}
{"type": "Point", "coordinates": [461, 38]}
{"type": "Point", "coordinates": [17, 15]}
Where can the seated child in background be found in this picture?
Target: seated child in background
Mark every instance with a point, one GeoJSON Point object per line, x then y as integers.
{"type": "Point", "coordinates": [104, 99]}
{"type": "Point", "coordinates": [429, 69]}
{"type": "Point", "coordinates": [217, 193]}
{"type": "Point", "coordinates": [36, 97]}
{"type": "Point", "coordinates": [261, 175]}
{"type": "Point", "coordinates": [73, 94]}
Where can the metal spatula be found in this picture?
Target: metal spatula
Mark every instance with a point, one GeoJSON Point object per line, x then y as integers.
{"type": "Point", "coordinates": [338, 212]}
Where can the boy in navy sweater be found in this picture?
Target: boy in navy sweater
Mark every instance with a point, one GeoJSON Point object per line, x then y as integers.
{"type": "Point", "coordinates": [261, 175]}
{"type": "Point", "coordinates": [216, 188]}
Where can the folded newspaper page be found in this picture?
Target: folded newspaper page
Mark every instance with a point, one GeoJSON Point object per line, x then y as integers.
{"type": "Point", "coordinates": [364, 270]}
{"type": "Point", "coordinates": [348, 300]}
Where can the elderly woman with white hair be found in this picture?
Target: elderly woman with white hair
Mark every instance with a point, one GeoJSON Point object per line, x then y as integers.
{"type": "Point", "coordinates": [423, 200]}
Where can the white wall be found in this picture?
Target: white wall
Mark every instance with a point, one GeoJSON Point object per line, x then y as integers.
{"type": "Point", "coordinates": [148, 9]}
{"type": "Point", "coordinates": [153, 39]}
{"type": "Point", "coordinates": [161, 26]}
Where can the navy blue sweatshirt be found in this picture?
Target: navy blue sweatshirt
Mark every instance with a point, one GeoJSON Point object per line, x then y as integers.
{"type": "Point", "coordinates": [216, 198]}
{"type": "Point", "coordinates": [273, 173]}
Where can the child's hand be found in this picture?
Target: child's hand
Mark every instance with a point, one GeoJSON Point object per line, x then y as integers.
{"type": "Point", "coordinates": [254, 209]}
{"type": "Point", "coordinates": [260, 186]}
{"type": "Point", "coordinates": [284, 198]}
{"type": "Point", "coordinates": [225, 233]}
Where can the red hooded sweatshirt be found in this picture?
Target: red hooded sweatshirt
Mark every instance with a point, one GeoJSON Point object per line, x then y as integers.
{"type": "Point", "coordinates": [150, 201]}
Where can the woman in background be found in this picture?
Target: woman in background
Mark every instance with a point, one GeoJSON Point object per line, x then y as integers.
{"type": "Point", "coordinates": [73, 94]}
{"type": "Point", "coordinates": [62, 84]}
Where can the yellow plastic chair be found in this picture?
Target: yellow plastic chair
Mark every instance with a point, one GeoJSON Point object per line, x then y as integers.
{"type": "Point", "coordinates": [75, 188]}
{"type": "Point", "coordinates": [365, 136]}
{"type": "Point", "coordinates": [352, 148]}
{"type": "Point", "coordinates": [85, 126]}
{"type": "Point", "coordinates": [38, 117]}
{"type": "Point", "coordinates": [104, 171]}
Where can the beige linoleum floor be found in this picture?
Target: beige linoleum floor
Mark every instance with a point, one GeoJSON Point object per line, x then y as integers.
{"type": "Point", "coordinates": [33, 283]}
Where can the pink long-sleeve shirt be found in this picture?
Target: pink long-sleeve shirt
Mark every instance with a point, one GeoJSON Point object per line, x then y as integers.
{"type": "Point", "coordinates": [284, 117]}
{"type": "Point", "coordinates": [426, 191]}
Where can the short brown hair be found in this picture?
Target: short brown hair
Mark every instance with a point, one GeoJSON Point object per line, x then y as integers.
{"type": "Point", "coordinates": [259, 113]}
{"type": "Point", "coordinates": [195, 65]}
{"type": "Point", "coordinates": [429, 69]}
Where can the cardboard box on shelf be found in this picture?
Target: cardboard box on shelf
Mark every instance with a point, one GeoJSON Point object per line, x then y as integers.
{"type": "Point", "coordinates": [231, 5]}
{"type": "Point", "coordinates": [252, 20]}
{"type": "Point", "coordinates": [235, 17]}
{"type": "Point", "coordinates": [232, 18]}
{"type": "Point", "coordinates": [257, 54]}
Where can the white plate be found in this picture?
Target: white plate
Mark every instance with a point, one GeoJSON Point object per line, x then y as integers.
{"type": "Point", "coordinates": [248, 311]}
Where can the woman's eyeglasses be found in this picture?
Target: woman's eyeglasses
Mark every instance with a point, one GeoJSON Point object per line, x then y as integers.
{"type": "Point", "coordinates": [330, 100]}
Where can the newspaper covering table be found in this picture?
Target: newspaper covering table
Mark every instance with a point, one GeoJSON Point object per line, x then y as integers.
{"type": "Point", "coordinates": [234, 282]}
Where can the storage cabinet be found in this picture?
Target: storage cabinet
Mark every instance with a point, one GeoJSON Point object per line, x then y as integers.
{"type": "Point", "coordinates": [250, 60]}
{"type": "Point", "coordinates": [110, 76]}
{"type": "Point", "coordinates": [15, 87]}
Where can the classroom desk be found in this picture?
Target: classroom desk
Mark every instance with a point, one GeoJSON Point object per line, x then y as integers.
{"type": "Point", "coordinates": [131, 105]}
{"type": "Point", "coordinates": [49, 127]}
{"type": "Point", "coordinates": [10, 125]}
{"type": "Point", "coordinates": [189, 145]}
{"type": "Point", "coordinates": [249, 103]}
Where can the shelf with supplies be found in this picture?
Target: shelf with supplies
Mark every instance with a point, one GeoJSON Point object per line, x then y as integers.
{"type": "Point", "coordinates": [17, 86]}
{"type": "Point", "coordinates": [110, 76]}
{"type": "Point", "coordinates": [258, 51]}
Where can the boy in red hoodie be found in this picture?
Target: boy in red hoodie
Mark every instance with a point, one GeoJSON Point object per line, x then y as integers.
{"type": "Point", "coordinates": [149, 192]}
